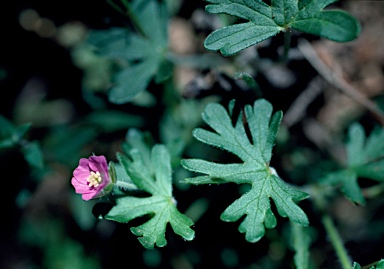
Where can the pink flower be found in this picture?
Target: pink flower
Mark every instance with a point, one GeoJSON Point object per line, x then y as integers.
{"type": "Point", "coordinates": [91, 178]}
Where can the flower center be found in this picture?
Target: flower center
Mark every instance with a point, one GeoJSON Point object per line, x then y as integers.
{"type": "Point", "coordinates": [94, 179]}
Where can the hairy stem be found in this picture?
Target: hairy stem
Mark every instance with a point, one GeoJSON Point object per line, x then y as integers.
{"type": "Point", "coordinates": [126, 185]}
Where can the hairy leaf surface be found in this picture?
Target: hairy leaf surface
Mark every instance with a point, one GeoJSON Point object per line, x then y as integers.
{"type": "Point", "coordinates": [254, 169]}
{"type": "Point", "coordinates": [150, 171]}
{"type": "Point", "coordinates": [265, 21]}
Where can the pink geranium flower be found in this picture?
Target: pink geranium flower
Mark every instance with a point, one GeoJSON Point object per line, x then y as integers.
{"type": "Point", "coordinates": [91, 178]}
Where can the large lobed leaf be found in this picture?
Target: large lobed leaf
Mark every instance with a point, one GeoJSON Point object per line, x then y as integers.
{"type": "Point", "coordinates": [151, 172]}
{"type": "Point", "coordinates": [265, 21]}
{"type": "Point", "coordinates": [146, 54]}
{"type": "Point", "coordinates": [365, 159]}
{"type": "Point", "coordinates": [254, 169]}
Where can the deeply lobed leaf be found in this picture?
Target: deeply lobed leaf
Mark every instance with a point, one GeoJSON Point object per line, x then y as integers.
{"type": "Point", "coordinates": [254, 170]}
{"type": "Point", "coordinates": [146, 54]}
{"type": "Point", "coordinates": [150, 171]}
{"type": "Point", "coordinates": [266, 21]}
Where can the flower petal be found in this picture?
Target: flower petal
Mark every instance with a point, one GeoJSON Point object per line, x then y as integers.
{"type": "Point", "coordinates": [88, 196]}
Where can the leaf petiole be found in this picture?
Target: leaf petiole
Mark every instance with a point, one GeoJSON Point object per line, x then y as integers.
{"type": "Point", "coordinates": [287, 44]}
{"type": "Point", "coordinates": [125, 185]}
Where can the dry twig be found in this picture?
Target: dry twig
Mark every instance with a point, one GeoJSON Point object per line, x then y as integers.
{"type": "Point", "coordinates": [338, 81]}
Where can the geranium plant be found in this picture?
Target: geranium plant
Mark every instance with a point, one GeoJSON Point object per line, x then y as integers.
{"type": "Point", "coordinates": [211, 147]}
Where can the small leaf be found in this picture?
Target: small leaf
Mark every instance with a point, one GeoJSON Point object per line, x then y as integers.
{"type": "Point", "coordinates": [11, 135]}
{"type": "Point", "coordinates": [267, 21]}
{"type": "Point", "coordinates": [254, 170]}
{"type": "Point", "coordinates": [151, 172]}
{"type": "Point", "coordinates": [356, 266]}
{"type": "Point", "coordinates": [6, 127]}
{"type": "Point", "coordinates": [33, 154]}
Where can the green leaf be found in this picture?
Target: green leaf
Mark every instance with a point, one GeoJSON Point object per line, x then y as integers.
{"type": "Point", "coordinates": [11, 135]}
{"type": "Point", "coordinates": [356, 266]}
{"type": "Point", "coordinates": [151, 172]}
{"type": "Point", "coordinates": [379, 265]}
{"type": "Point", "coordinates": [254, 169]}
{"type": "Point", "coordinates": [133, 80]}
{"type": "Point", "coordinates": [265, 21]}
{"type": "Point", "coordinates": [33, 154]}
{"type": "Point", "coordinates": [146, 55]}
{"type": "Point", "coordinates": [365, 158]}
{"type": "Point", "coordinates": [6, 127]}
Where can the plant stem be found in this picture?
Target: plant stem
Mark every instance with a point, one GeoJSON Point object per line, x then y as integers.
{"type": "Point", "coordinates": [135, 21]}
{"type": "Point", "coordinates": [126, 185]}
{"type": "Point", "coordinates": [287, 44]}
{"type": "Point", "coordinates": [374, 191]}
{"type": "Point", "coordinates": [336, 241]}
{"type": "Point", "coordinates": [130, 14]}
{"type": "Point", "coordinates": [116, 7]}
{"type": "Point", "coordinates": [320, 201]}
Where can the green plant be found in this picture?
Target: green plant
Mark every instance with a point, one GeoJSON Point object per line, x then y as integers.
{"type": "Point", "coordinates": [144, 50]}
{"type": "Point", "coordinates": [378, 265]}
{"type": "Point", "coordinates": [263, 172]}
{"type": "Point", "coordinates": [266, 21]}
{"type": "Point", "coordinates": [364, 160]}
{"type": "Point", "coordinates": [256, 155]}
{"type": "Point", "coordinates": [150, 171]}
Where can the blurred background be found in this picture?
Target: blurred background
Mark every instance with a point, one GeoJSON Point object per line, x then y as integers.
{"type": "Point", "coordinates": [55, 110]}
